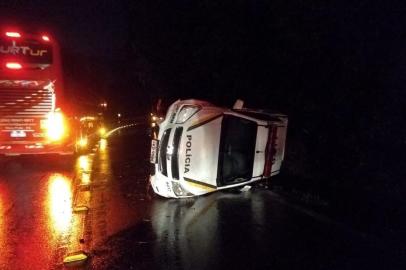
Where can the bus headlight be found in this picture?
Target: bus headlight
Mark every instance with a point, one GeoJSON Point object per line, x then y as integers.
{"type": "Point", "coordinates": [55, 125]}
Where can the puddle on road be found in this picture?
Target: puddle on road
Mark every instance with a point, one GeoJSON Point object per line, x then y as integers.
{"type": "Point", "coordinates": [5, 253]}
{"type": "Point", "coordinates": [35, 211]}
{"type": "Point", "coordinates": [44, 227]}
{"type": "Point", "coordinates": [38, 226]}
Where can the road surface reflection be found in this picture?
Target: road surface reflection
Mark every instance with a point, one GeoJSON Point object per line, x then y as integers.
{"type": "Point", "coordinates": [84, 163]}
{"type": "Point", "coordinates": [36, 217]}
{"type": "Point", "coordinates": [4, 247]}
{"type": "Point", "coordinates": [196, 233]}
{"type": "Point", "coordinates": [60, 203]}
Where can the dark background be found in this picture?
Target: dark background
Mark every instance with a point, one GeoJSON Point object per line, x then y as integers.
{"type": "Point", "coordinates": [337, 69]}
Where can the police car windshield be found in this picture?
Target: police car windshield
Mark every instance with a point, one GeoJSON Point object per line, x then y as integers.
{"type": "Point", "coordinates": [237, 150]}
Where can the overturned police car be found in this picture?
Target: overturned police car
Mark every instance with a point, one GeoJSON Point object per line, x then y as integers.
{"type": "Point", "coordinates": [201, 148]}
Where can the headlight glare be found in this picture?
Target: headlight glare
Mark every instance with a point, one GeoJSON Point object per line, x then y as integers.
{"type": "Point", "coordinates": [55, 125]}
{"type": "Point", "coordinates": [82, 142]}
{"type": "Point", "coordinates": [102, 131]}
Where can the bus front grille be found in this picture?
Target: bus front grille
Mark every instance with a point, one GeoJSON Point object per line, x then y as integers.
{"type": "Point", "coordinates": [25, 102]}
{"type": "Point", "coordinates": [23, 110]}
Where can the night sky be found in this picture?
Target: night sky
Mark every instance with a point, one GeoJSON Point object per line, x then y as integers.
{"type": "Point", "coordinates": [337, 69]}
{"type": "Point", "coordinates": [221, 50]}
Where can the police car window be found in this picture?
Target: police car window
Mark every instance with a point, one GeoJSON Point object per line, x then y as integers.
{"type": "Point", "coordinates": [237, 150]}
{"type": "Point", "coordinates": [259, 115]}
{"type": "Point", "coordinates": [162, 152]}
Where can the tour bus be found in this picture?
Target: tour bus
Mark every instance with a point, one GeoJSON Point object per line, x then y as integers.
{"type": "Point", "coordinates": [203, 148]}
{"type": "Point", "coordinates": [33, 117]}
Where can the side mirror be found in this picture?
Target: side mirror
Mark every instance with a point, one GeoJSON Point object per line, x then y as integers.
{"type": "Point", "coordinates": [239, 104]}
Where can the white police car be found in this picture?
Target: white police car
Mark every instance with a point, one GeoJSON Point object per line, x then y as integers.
{"type": "Point", "coordinates": [202, 148]}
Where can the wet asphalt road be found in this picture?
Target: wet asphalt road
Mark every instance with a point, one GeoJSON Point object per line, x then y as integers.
{"type": "Point", "coordinates": [101, 204]}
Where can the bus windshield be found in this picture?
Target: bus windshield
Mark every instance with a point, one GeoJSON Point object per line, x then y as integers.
{"type": "Point", "coordinates": [27, 51]}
